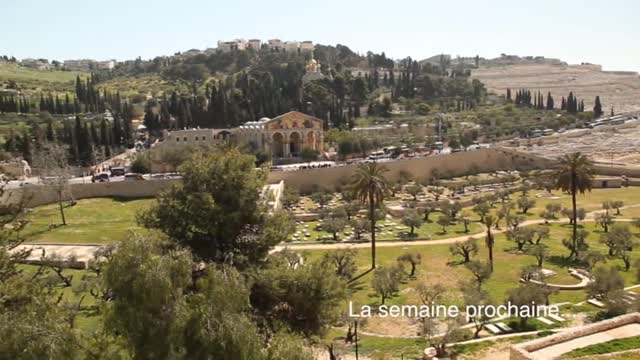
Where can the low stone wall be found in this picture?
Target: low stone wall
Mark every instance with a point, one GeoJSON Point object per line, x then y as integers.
{"type": "Point", "coordinates": [36, 195]}
{"type": "Point", "coordinates": [606, 182]}
{"type": "Point", "coordinates": [618, 170]}
{"type": "Point", "coordinates": [585, 280]}
{"type": "Point", "coordinates": [456, 164]}
{"type": "Point", "coordinates": [525, 350]}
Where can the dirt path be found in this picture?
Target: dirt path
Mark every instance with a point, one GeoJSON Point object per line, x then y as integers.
{"type": "Point", "coordinates": [84, 252]}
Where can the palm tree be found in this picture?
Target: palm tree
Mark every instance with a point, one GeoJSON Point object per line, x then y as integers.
{"type": "Point", "coordinates": [371, 186]}
{"type": "Point", "coordinates": [489, 220]}
{"type": "Point", "coordinates": [574, 174]}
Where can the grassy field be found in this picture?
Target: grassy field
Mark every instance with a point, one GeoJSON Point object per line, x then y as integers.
{"type": "Point", "coordinates": [89, 317]}
{"type": "Point", "coordinates": [590, 201]}
{"type": "Point", "coordinates": [39, 80]}
{"type": "Point", "coordinates": [97, 220]}
{"type": "Point", "coordinates": [375, 345]}
{"type": "Point", "coordinates": [412, 348]}
{"type": "Point", "coordinates": [144, 84]}
{"type": "Point", "coordinates": [616, 345]}
{"type": "Point", "coordinates": [440, 267]}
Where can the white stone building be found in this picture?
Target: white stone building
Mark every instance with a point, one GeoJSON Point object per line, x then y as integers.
{"type": "Point", "coordinates": [306, 46]}
{"type": "Point", "coordinates": [254, 44]}
{"type": "Point", "coordinates": [227, 46]}
{"type": "Point", "coordinates": [79, 65]}
{"type": "Point", "coordinates": [105, 65]}
{"type": "Point", "coordinates": [291, 46]}
{"type": "Point", "coordinates": [275, 44]}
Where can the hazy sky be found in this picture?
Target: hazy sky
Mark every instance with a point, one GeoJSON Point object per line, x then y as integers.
{"type": "Point", "coordinates": [603, 32]}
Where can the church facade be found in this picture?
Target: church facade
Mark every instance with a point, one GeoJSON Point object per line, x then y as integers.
{"type": "Point", "coordinates": [283, 137]}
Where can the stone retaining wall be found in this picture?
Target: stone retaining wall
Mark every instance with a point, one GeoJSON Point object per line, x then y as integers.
{"type": "Point", "coordinates": [36, 195]}
{"type": "Point", "coordinates": [456, 164]}
{"type": "Point", "coordinates": [487, 160]}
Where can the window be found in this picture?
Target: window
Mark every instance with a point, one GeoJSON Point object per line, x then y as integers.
{"type": "Point", "coordinates": [196, 138]}
{"type": "Point", "coordinates": [204, 138]}
{"type": "Point", "coordinates": [185, 139]}
{"type": "Point", "coordinates": [177, 139]}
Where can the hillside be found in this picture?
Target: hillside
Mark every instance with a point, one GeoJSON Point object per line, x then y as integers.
{"type": "Point", "coordinates": [620, 90]}
{"type": "Point", "coordinates": [29, 79]}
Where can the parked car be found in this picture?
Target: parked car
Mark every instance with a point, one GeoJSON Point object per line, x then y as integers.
{"type": "Point", "coordinates": [133, 176]}
{"type": "Point", "coordinates": [102, 177]}
{"type": "Point", "coordinates": [117, 171]}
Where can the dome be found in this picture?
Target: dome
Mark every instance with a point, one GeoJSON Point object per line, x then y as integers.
{"type": "Point", "coordinates": [264, 119]}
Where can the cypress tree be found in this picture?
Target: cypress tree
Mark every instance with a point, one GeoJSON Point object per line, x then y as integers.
{"type": "Point", "coordinates": [50, 133]}
{"type": "Point", "coordinates": [116, 131]}
{"type": "Point", "coordinates": [27, 151]}
{"type": "Point", "coordinates": [597, 108]}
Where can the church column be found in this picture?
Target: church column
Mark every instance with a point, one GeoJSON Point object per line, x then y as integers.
{"type": "Point", "coordinates": [312, 145]}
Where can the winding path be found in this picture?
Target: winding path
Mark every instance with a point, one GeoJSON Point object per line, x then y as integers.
{"type": "Point", "coordinates": [391, 243]}
{"type": "Point", "coordinates": [84, 252]}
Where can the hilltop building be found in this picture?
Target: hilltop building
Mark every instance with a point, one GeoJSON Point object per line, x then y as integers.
{"type": "Point", "coordinates": [254, 44]}
{"type": "Point", "coordinates": [78, 65]}
{"type": "Point", "coordinates": [40, 64]}
{"type": "Point", "coordinates": [275, 44]}
{"type": "Point", "coordinates": [88, 65]}
{"type": "Point", "coordinates": [272, 45]}
{"type": "Point", "coordinates": [227, 46]}
{"type": "Point", "coordinates": [105, 65]}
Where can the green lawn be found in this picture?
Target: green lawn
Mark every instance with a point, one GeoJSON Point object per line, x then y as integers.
{"type": "Point", "coordinates": [373, 345]}
{"type": "Point", "coordinates": [590, 201]}
{"type": "Point", "coordinates": [96, 220]}
{"type": "Point", "coordinates": [438, 266]}
{"type": "Point", "coordinates": [411, 348]}
{"type": "Point", "coordinates": [89, 317]}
